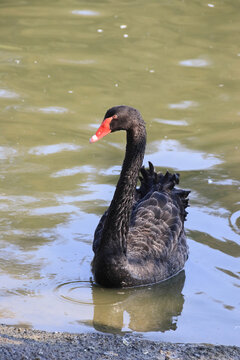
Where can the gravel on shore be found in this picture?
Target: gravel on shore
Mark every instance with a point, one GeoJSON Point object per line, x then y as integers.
{"type": "Point", "coordinates": [24, 344]}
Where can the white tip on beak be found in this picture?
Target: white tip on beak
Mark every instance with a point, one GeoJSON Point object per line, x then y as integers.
{"type": "Point", "coordinates": [93, 139]}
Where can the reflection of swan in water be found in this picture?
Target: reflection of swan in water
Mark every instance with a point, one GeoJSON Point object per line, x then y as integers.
{"type": "Point", "coordinates": [149, 308]}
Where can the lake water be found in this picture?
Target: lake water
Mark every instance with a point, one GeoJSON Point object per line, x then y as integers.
{"type": "Point", "coordinates": [63, 64]}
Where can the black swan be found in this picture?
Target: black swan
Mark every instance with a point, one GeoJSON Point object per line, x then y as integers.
{"type": "Point", "coordinates": [140, 239]}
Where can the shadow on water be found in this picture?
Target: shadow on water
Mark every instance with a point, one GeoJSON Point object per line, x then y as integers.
{"type": "Point", "coordinates": [142, 309]}
{"type": "Point", "coordinates": [153, 308]}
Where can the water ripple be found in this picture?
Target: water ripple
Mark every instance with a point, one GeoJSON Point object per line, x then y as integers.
{"type": "Point", "coordinates": [53, 149]}
{"type": "Point", "coordinates": [85, 12]}
{"type": "Point", "coordinates": [77, 62]}
{"type": "Point", "coordinates": [113, 170]}
{"type": "Point", "coordinates": [73, 171]}
{"type": "Point", "coordinates": [224, 182]}
{"type": "Point", "coordinates": [52, 210]}
{"type": "Point", "coordinates": [215, 223]}
{"type": "Point", "coordinates": [7, 152]}
{"type": "Point", "coordinates": [186, 104]}
{"type": "Point", "coordinates": [6, 94]}
{"type": "Point", "coordinates": [235, 221]}
{"type": "Point", "coordinates": [195, 62]}
{"type": "Point", "coordinates": [171, 122]}
{"type": "Point", "coordinates": [44, 110]}
{"type": "Point", "coordinates": [53, 109]}
{"type": "Point", "coordinates": [79, 292]}
{"type": "Point", "coordinates": [170, 153]}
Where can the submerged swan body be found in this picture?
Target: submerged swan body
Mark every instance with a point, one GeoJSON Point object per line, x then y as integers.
{"type": "Point", "coordinates": [140, 239]}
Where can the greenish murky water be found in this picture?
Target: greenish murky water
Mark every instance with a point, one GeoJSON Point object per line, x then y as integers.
{"type": "Point", "coordinates": [62, 64]}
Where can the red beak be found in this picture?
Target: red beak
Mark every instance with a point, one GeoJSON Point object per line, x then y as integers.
{"type": "Point", "coordinates": [103, 130]}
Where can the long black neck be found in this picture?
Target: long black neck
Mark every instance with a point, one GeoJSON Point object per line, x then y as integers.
{"type": "Point", "coordinates": [117, 222]}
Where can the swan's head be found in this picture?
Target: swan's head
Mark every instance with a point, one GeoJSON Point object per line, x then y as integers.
{"type": "Point", "coordinates": [118, 118]}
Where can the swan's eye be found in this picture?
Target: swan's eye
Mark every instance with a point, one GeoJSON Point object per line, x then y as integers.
{"type": "Point", "coordinates": [115, 116]}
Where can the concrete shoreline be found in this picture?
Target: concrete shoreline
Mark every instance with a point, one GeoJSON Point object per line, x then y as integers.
{"type": "Point", "coordinates": [25, 344]}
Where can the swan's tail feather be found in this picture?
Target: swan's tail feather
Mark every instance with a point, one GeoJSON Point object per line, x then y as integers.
{"type": "Point", "coordinates": [152, 181]}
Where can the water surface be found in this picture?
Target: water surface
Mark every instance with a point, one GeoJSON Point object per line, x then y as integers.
{"type": "Point", "coordinates": [62, 65]}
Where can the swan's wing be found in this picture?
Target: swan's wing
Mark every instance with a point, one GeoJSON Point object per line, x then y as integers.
{"type": "Point", "coordinates": [152, 181]}
{"type": "Point", "coordinates": [157, 222]}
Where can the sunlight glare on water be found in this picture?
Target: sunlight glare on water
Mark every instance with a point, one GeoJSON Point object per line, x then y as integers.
{"type": "Point", "coordinates": [63, 65]}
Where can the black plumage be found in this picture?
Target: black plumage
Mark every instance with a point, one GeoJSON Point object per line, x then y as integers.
{"type": "Point", "coordinates": [140, 239]}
